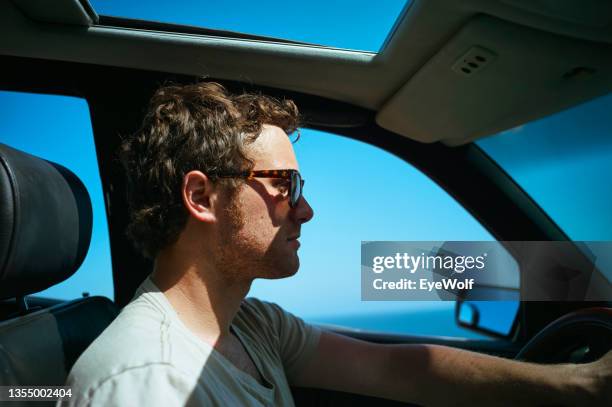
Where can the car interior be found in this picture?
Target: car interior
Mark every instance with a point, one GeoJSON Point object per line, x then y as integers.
{"type": "Point", "coordinates": [448, 74]}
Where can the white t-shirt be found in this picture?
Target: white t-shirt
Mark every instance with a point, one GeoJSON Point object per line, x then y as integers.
{"type": "Point", "coordinates": [147, 357]}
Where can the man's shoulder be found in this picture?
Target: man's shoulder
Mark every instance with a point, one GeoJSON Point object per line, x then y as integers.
{"type": "Point", "coordinates": [271, 312]}
{"type": "Point", "coordinates": [139, 336]}
{"type": "Point", "coordinates": [264, 318]}
{"type": "Point", "coordinates": [260, 308]}
{"type": "Point", "coordinates": [259, 314]}
{"type": "Point", "coordinates": [152, 383]}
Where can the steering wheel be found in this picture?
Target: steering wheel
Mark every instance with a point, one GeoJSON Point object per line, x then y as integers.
{"type": "Point", "coordinates": [579, 337]}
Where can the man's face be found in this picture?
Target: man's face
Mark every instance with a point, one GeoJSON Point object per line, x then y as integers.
{"type": "Point", "coordinates": [258, 233]}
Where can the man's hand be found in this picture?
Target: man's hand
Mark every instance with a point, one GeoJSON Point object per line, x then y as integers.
{"type": "Point", "coordinates": [433, 375]}
{"type": "Point", "coordinates": [599, 374]}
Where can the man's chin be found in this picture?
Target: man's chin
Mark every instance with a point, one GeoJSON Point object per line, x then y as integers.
{"type": "Point", "coordinates": [281, 271]}
{"type": "Point", "coordinates": [275, 275]}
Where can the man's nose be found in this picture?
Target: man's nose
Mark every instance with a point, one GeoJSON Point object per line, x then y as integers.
{"type": "Point", "coordinates": [303, 211]}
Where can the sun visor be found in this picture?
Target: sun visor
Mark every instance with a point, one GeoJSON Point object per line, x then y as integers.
{"type": "Point", "coordinates": [78, 12]}
{"type": "Point", "coordinates": [494, 75]}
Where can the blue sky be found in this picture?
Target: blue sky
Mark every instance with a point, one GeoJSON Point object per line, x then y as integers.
{"type": "Point", "coordinates": [564, 162]}
{"type": "Point", "coordinates": [354, 24]}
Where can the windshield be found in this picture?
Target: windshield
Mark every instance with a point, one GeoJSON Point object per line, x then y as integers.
{"type": "Point", "coordinates": [564, 162]}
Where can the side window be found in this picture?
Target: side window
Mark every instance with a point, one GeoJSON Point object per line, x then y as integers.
{"type": "Point", "coordinates": [58, 128]}
{"type": "Point", "coordinates": [362, 193]}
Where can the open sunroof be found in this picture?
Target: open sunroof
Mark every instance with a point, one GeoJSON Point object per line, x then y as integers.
{"type": "Point", "coordinates": [350, 24]}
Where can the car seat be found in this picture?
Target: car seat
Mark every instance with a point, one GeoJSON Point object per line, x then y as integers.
{"type": "Point", "coordinates": [45, 231]}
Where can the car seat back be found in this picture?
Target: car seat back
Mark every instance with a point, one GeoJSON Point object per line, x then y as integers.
{"type": "Point", "coordinates": [45, 231]}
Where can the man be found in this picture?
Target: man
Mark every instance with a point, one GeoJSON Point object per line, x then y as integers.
{"type": "Point", "coordinates": [216, 200]}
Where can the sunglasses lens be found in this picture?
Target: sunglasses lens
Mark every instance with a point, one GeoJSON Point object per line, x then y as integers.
{"type": "Point", "coordinates": [296, 188]}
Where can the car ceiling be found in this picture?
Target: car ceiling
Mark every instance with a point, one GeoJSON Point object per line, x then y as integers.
{"type": "Point", "coordinates": [540, 56]}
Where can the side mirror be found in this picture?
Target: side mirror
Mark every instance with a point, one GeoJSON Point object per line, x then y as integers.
{"type": "Point", "coordinates": [495, 318]}
{"type": "Point", "coordinates": [468, 314]}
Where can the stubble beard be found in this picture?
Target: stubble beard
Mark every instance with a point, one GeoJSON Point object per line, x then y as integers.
{"type": "Point", "coordinates": [230, 263]}
{"type": "Point", "coordinates": [240, 259]}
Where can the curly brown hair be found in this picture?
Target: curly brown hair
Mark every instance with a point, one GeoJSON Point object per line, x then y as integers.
{"type": "Point", "coordinates": [190, 127]}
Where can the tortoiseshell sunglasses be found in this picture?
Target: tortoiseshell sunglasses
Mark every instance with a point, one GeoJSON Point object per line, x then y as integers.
{"type": "Point", "coordinates": [294, 176]}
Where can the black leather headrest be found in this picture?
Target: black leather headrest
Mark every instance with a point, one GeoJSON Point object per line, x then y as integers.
{"type": "Point", "coordinates": [45, 223]}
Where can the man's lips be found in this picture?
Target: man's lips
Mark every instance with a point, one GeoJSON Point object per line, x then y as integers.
{"type": "Point", "coordinates": [294, 241]}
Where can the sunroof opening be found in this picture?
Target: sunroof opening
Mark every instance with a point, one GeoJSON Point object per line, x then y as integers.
{"type": "Point", "coordinates": [349, 24]}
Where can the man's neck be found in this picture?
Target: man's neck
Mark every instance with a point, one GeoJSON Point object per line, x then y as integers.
{"type": "Point", "coordinates": [204, 299]}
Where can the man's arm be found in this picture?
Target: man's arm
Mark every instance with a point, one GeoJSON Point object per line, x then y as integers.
{"type": "Point", "coordinates": [439, 375]}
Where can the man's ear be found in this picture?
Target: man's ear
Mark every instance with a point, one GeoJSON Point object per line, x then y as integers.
{"type": "Point", "coordinates": [199, 196]}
